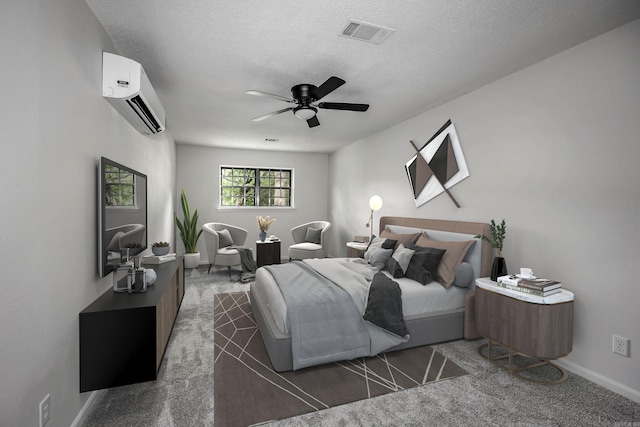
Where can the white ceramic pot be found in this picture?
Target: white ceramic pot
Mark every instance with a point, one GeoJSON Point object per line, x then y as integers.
{"type": "Point", "coordinates": [191, 260]}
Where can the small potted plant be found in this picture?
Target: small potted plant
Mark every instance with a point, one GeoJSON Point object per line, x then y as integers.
{"type": "Point", "coordinates": [498, 234]}
{"type": "Point", "coordinates": [160, 248]}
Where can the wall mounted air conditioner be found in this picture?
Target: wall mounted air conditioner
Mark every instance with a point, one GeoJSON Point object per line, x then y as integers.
{"type": "Point", "coordinates": [126, 86]}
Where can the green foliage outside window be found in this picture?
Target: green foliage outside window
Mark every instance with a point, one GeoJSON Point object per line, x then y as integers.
{"type": "Point", "coordinates": [255, 186]}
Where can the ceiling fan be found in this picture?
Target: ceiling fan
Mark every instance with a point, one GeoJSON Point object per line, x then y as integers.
{"type": "Point", "coordinates": [305, 96]}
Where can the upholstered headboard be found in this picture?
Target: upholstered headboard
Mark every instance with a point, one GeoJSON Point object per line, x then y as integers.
{"type": "Point", "coordinates": [480, 255]}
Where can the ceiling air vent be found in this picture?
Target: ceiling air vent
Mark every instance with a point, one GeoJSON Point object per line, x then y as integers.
{"type": "Point", "coordinates": [366, 32]}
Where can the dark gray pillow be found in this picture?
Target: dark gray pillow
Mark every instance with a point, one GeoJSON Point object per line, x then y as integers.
{"type": "Point", "coordinates": [464, 275]}
{"type": "Point", "coordinates": [399, 262]}
{"type": "Point", "coordinates": [424, 263]}
{"type": "Point", "coordinates": [313, 235]}
{"type": "Point", "coordinates": [394, 268]}
{"type": "Point", "coordinates": [224, 238]}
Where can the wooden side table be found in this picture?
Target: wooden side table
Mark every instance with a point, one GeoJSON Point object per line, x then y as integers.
{"type": "Point", "coordinates": [533, 327]}
{"type": "Point", "coordinates": [267, 252]}
{"type": "Point", "coordinates": [355, 249]}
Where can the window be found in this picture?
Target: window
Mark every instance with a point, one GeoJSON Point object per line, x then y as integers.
{"type": "Point", "coordinates": [242, 186]}
{"type": "Point", "coordinates": [119, 187]}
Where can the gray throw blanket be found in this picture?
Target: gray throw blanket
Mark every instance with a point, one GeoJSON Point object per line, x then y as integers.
{"type": "Point", "coordinates": [326, 325]}
{"type": "Point", "coordinates": [248, 264]}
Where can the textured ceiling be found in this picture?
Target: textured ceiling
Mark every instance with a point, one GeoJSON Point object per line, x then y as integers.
{"type": "Point", "coordinates": [203, 55]}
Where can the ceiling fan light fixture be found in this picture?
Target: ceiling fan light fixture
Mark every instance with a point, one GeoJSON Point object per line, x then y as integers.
{"type": "Point", "coordinates": [305, 112]}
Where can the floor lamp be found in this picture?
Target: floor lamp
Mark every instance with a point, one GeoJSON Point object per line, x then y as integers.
{"type": "Point", "coordinates": [375, 203]}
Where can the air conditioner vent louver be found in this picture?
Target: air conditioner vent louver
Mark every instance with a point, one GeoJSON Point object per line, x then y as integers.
{"type": "Point", "coordinates": [366, 32]}
{"type": "Point", "coordinates": [127, 88]}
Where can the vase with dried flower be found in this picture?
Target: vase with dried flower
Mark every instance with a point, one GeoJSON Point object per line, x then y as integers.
{"type": "Point", "coordinates": [264, 224]}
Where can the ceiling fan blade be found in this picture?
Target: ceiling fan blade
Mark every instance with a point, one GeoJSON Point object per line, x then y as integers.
{"type": "Point", "coordinates": [313, 122]}
{"type": "Point", "coordinates": [327, 87]}
{"type": "Point", "coordinates": [343, 106]}
{"type": "Point", "coordinates": [270, 95]}
{"type": "Point", "coordinates": [275, 113]}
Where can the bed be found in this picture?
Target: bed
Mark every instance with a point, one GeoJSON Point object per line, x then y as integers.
{"type": "Point", "coordinates": [432, 313]}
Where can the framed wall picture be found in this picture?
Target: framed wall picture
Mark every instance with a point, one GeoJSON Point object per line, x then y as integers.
{"type": "Point", "coordinates": [437, 166]}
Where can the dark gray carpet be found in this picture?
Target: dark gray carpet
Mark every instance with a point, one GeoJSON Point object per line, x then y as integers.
{"type": "Point", "coordinates": [183, 393]}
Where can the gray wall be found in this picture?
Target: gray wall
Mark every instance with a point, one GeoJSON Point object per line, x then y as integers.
{"type": "Point", "coordinates": [554, 150]}
{"type": "Point", "coordinates": [198, 173]}
{"type": "Point", "coordinates": [55, 126]}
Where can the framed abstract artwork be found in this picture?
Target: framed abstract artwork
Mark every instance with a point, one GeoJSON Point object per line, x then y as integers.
{"type": "Point", "coordinates": [437, 166]}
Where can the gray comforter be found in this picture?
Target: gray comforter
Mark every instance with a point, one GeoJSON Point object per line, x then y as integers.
{"type": "Point", "coordinates": [326, 299]}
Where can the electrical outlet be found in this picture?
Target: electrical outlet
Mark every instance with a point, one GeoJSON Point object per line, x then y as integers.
{"type": "Point", "coordinates": [621, 345]}
{"type": "Point", "coordinates": [45, 410]}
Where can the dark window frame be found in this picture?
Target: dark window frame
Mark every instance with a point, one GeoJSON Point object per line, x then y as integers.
{"type": "Point", "coordinates": [256, 187]}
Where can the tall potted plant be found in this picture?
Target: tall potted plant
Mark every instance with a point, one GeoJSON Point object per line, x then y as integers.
{"type": "Point", "coordinates": [189, 232]}
{"type": "Point", "coordinates": [498, 234]}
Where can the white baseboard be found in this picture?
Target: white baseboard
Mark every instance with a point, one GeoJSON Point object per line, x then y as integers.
{"type": "Point", "coordinates": [82, 415]}
{"type": "Point", "coordinates": [605, 382]}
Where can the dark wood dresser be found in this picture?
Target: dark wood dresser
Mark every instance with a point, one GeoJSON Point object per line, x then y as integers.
{"type": "Point", "coordinates": [123, 336]}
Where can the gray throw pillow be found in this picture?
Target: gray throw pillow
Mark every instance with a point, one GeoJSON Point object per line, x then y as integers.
{"type": "Point", "coordinates": [464, 275]}
{"type": "Point", "coordinates": [377, 257]}
{"type": "Point", "coordinates": [313, 235]}
{"type": "Point", "coordinates": [224, 238]}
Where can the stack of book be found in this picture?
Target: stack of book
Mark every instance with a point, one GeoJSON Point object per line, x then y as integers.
{"type": "Point", "coordinates": [533, 286]}
{"type": "Point", "coordinates": [159, 259]}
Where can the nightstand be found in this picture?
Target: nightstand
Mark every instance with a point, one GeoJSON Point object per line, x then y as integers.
{"type": "Point", "coordinates": [535, 328]}
{"type": "Point", "coordinates": [356, 249]}
{"type": "Point", "coordinates": [268, 252]}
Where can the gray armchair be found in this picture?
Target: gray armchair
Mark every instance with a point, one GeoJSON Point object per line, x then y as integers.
{"type": "Point", "coordinates": [225, 255]}
{"type": "Point", "coordinates": [311, 240]}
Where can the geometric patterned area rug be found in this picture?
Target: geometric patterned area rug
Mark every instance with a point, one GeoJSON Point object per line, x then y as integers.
{"type": "Point", "coordinates": [248, 391]}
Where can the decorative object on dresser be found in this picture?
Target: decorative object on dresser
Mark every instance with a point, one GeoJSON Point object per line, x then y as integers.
{"type": "Point", "coordinates": [437, 166]}
{"type": "Point", "coordinates": [160, 248]}
{"type": "Point", "coordinates": [375, 203]}
{"type": "Point", "coordinates": [498, 234]}
{"type": "Point", "coordinates": [222, 242]}
{"type": "Point", "coordinates": [123, 336]}
{"type": "Point", "coordinates": [264, 224]}
{"type": "Point", "coordinates": [532, 285]}
{"type": "Point", "coordinates": [159, 259]}
{"type": "Point", "coordinates": [189, 232]}
{"type": "Point", "coordinates": [528, 330]}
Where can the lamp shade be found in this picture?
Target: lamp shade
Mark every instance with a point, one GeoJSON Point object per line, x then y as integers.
{"type": "Point", "coordinates": [375, 203]}
{"type": "Point", "coordinates": [305, 112]}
